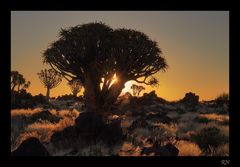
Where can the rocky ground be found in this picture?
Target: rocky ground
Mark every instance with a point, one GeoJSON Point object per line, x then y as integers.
{"type": "Point", "coordinates": [144, 126]}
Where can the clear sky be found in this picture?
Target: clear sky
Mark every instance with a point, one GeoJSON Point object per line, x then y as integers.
{"type": "Point", "coordinates": [195, 45]}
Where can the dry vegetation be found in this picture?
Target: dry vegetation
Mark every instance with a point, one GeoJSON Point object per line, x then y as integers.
{"type": "Point", "coordinates": [194, 133]}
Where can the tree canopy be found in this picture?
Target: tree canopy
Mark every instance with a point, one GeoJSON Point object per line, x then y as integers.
{"type": "Point", "coordinates": [93, 53]}
{"type": "Point", "coordinates": [18, 81]}
{"type": "Point", "coordinates": [50, 79]}
{"type": "Point", "coordinates": [75, 86]}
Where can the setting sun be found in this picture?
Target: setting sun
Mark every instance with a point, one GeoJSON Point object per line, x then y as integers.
{"type": "Point", "coordinates": [114, 79]}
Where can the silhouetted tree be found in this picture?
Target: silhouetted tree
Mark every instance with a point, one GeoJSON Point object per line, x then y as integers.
{"type": "Point", "coordinates": [94, 53]}
{"type": "Point", "coordinates": [75, 86]}
{"type": "Point", "coordinates": [50, 79]}
{"type": "Point", "coordinates": [140, 88]}
{"type": "Point", "coordinates": [137, 89]}
{"type": "Point", "coordinates": [18, 81]}
{"type": "Point", "coordinates": [222, 99]}
{"type": "Point", "coordinates": [134, 89]}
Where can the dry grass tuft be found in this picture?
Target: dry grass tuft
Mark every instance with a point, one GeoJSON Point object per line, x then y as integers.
{"type": "Point", "coordinates": [215, 117]}
{"type": "Point", "coordinates": [187, 148]}
{"type": "Point", "coordinates": [26, 112]}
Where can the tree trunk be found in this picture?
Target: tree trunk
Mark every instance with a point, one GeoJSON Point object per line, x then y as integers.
{"type": "Point", "coordinates": [13, 87]}
{"type": "Point", "coordinates": [91, 93]}
{"type": "Point", "coordinates": [75, 94]}
{"type": "Point", "coordinates": [113, 94]}
{"type": "Point", "coordinates": [97, 99]}
{"type": "Point", "coordinates": [48, 93]}
{"type": "Point", "coordinates": [18, 88]}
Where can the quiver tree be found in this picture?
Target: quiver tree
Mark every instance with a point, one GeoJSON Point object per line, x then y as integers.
{"type": "Point", "coordinates": [75, 86]}
{"type": "Point", "coordinates": [137, 89]}
{"type": "Point", "coordinates": [18, 82]}
{"type": "Point", "coordinates": [134, 89]}
{"type": "Point", "coordinates": [50, 79]}
{"type": "Point", "coordinates": [140, 88]}
{"type": "Point", "coordinates": [94, 53]}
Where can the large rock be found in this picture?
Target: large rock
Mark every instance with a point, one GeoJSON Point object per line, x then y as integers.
{"type": "Point", "coordinates": [157, 150]}
{"type": "Point", "coordinates": [89, 128]}
{"type": "Point", "coordinates": [147, 99]}
{"type": "Point", "coordinates": [112, 133]}
{"type": "Point", "coordinates": [31, 147]}
{"type": "Point", "coordinates": [89, 124]}
{"type": "Point", "coordinates": [64, 137]}
{"type": "Point", "coordinates": [190, 99]}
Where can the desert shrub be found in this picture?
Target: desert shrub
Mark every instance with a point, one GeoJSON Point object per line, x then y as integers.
{"type": "Point", "coordinates": [224, 129]}
{"type": "Point", "coordinates": [25, 100]}
{"type": "Point", "coordinates": [25, 112]}
{"type": "Point", "coordinates": [22, 99]}
{"type": "Point", "coordinates": [209, 136]}
{"type": "Point", "coordinates": [186, 129]}
{"type": "Point", "coordinates": [145, 132]}
{"type": "Point", "coordinates": [202, 120]}
{"type": "Point", "coordinates": [187, 148]}
{"type": "Point", "coordinates": [69, 97]}
{"type": "Point", "coordinates": [222, 150]}
{"type": "Point", "coordinates": [173, 115]}
{"type": "Point", "coordinates": [189, 116]}
{"type": "Point", "coordinates": [40, 99]}
{"type": "Point", "coordinates": [163, 132]}
{"type": "Point", "coordinates": [223, 119]}
{"type": "Point", "coordinates": [128, 149]}
{"type": "Point", "coordinates": [42, 129]}
{"type": "Point", "coordinates": [222, 99]}
{"type": "Point", "coordinates": [187, 126]}
{"type": "Point", "coordinates": [68, 113]}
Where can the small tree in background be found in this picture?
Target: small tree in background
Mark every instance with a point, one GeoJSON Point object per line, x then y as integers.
{"type": "Point", "coordinates": [50, 79]}
{"type": "Point", "coordinates": [137, 89]}
{"type": "Point", "coordinates": [18, 81]}
{"type": "Point", "coordinates": [134, 89]}
{"type": "Point", "coordinates": [222, 99]}
{"type": "Point", "coordinates": [140, 88]}
{"type": "Point", "coordinates": [75, 86]}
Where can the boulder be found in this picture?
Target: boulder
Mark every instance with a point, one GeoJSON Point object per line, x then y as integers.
{"type": "Point", "coordinates": [31, 147]}
{"type": "Point", "coordinates": [112, 133]}
{"type": "Point", "coordinates": [147, 99]}
{"type": "Point", "coordinates": [89, 128]}
{"type": "Point", "coordinates": [190, 99]}
{"type": "Point", "coordinates": [167, 150]}
{"type": "Point", "coordinates": [89, 125]}
{"type": "Point", "coordinates": [158, 150]}
{"type": "Point", "coordinates": [65, 136]}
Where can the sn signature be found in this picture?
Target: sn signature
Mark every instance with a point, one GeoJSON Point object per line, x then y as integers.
{"type": "Point", "coordinates": [225, 162]}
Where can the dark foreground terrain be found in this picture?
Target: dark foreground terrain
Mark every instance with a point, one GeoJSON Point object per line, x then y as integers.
{"type": "Point", "coordinates": [143, 126]}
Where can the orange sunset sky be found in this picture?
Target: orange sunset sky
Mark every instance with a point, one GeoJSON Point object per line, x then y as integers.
{"type": "Point", "coordinates": [195, 45]}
